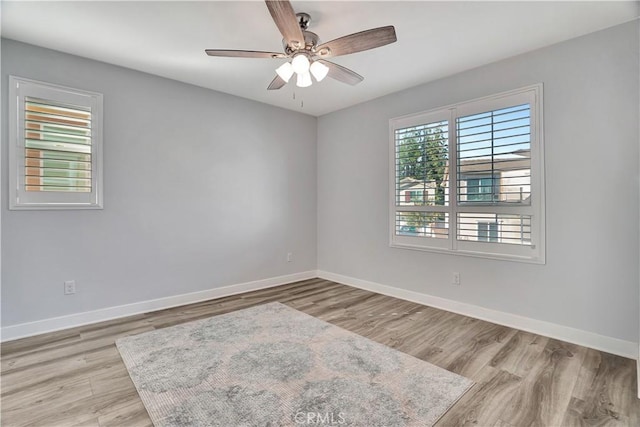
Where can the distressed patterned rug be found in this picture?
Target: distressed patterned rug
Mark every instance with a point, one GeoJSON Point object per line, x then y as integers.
{"type": "Point", "coordinates": [271, 365]}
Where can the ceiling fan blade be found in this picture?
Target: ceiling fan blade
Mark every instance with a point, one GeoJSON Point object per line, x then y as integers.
{"type": "Point", "coordinates": [341, 73]}
{"type": "Point", "coordinates": [286, 21]}
{"type": "Point", "coordinates": [276, 83]}
{"type": "Point", "coordinates": [357, 42]}
{"type": "Point", "coordinates": [243, 53]}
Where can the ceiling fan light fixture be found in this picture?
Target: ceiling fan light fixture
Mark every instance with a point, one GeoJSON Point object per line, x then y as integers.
{"type": "Point", "coordinates": [319, 70]}
{"type": "Point", "coordinates": [285, 71]}
{"type": "Point", "coordinates": [300, 63]}
{"type": "Point", "coordinates": [304, 80]}
{"type": "Point", "coordinates": [301, 47]}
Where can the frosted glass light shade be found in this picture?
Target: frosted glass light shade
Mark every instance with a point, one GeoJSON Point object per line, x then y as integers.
{"type": "Point", "coordinates": [300, 64]}
{"type": "Point", "coordinates": [319, 70]}
{"type": "Point", "coordinates": [285, 71]}
{"type": "Point", "coordinates": [304, 80]}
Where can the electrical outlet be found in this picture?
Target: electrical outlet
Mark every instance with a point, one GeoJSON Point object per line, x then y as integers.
{"type": "Point", "coordinates": [455, 280]}
{"type": "Point", "coordinates": [289, 256]}
{"type": "Point", "coordinates": [70, 287]}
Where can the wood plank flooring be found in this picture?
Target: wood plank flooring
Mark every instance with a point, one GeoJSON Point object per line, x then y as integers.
{"type": "Point", "coordinates": [76, 377]}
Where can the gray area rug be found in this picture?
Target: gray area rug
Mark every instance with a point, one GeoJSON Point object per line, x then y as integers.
{"type": "Point", "coordinates": [271, 365]}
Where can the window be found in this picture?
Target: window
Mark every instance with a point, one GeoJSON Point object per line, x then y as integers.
{"type": "Point", "coordinates": [478, 189]}
{"type": "Point", "coordinates": [55, 146]}
{"type": "Point", "coordinates": [487, 231]}
{"type": "Point", "coordinates": [468, 178]}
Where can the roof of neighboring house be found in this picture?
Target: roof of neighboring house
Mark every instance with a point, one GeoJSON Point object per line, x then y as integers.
{"type": "Point", "coordinates": [412, 183]}
{"type": "Point", "coordinates": [520, 159]}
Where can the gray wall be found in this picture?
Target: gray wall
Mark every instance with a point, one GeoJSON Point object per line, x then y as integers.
{"type": "Point", "coordinates": [202, 190]}
{"type": "Point", "coordinates": [591, 113]}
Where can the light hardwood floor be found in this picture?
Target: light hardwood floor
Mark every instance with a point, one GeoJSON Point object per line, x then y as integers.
{"type": "Point", "coordinates": [76, 376]}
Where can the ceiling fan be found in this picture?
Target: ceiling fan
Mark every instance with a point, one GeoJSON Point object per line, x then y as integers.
{"type": "Point", "coordinates": [308, 57]}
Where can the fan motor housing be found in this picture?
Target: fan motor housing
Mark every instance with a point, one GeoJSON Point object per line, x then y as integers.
{"type": "Point", "coordinates": [311, 40]}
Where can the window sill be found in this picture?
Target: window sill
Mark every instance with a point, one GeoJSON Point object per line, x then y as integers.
{"type": "Point", "coordinates": [53, 206]}
{"type": "Point", "coordinates": [467, 253]}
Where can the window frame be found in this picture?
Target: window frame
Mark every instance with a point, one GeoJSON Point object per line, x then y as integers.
{"type": "Point", "coordinates": [533, 253]}
{"type": "Point", "coordinates": [19, 199]}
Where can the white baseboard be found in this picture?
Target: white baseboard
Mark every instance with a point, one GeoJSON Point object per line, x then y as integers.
{"type": "Point", "coordinates": [22, 330]}
{"type": "Point", "coordinates": [565, 333]}
{"type": "Point", "coordinates": [577, 336]}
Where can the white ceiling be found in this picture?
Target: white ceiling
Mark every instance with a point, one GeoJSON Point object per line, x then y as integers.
{"type": "Point", "coordinates": [435, 39]}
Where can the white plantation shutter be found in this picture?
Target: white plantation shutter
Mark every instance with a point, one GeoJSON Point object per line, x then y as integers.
{"type": "Point", "coordinates": [493, 202]}
{"type": "Point", "coordinates": [494, 169]}
{"type": "Point", "coordinates": [494, 156]}
{"type": "Point", "coordinates": [420, 164]}
{"type": "Point", "coordinates": [55, 146]}
{"type": "Point", "coordinates": [421, 184]}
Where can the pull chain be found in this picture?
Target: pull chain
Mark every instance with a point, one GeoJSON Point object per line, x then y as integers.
{"type": "Point", "coordinates": [301, 101]}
